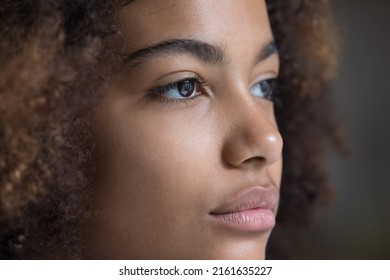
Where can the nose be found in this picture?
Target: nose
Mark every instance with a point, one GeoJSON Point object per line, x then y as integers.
{"type": "Point", "coordinates": [252, 136]}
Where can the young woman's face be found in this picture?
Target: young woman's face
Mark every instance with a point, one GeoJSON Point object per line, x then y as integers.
{"type": "Point", "coordinates": [188, 152]}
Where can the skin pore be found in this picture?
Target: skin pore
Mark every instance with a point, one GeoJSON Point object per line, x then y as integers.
{"type": "Point", "coordinates": [185, 128]}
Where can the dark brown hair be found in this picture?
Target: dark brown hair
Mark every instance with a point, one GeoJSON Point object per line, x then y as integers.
{"type": "Point", "coordinates": [54, 56]}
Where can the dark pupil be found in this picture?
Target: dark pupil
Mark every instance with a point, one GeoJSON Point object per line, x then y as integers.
{"type": "Point", "coordinates": [266, 88]}
{"type": "Point", "coordinates": [186, 88]}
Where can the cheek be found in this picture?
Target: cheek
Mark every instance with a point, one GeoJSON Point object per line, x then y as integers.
{"type": "Point", "coordinates": [168, 157]}
{"type": "Point", "coordinates": [152, 171]}
{"type": "Point", "coordinates": [165, 150]}
{"type": "Point", "coordinates": [154, 156]}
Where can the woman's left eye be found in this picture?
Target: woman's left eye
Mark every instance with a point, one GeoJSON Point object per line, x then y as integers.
{"type": "Point", "coordinates": [264, 89]}
{"type": "Point", "coordinates": [181, 90]}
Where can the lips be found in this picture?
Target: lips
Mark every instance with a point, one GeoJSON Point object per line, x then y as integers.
{"type": "Point", "coordinates": [252, 210]}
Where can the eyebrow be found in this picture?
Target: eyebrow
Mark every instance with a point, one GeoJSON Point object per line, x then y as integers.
{"type": "Point", "coordinates": [201, 50]}
{"type": "Point", "coordinates": [268, 50]}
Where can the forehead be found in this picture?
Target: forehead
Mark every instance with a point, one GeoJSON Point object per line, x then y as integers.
{"type": "Point", "coordinates": [227, 22]}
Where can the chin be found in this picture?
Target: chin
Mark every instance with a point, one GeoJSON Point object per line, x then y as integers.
{"type": "Point", "coordinates": [251, 249]}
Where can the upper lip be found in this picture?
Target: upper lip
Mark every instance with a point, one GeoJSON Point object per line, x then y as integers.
{"type": "Point", "coordinates": [251, 198]}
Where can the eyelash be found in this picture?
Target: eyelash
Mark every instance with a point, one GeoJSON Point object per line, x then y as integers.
{"type": "Point", "coordinates": [159, 92]}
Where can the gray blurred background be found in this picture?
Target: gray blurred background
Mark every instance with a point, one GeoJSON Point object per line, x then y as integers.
{"type": "Point", "coordinates": [358, 224]}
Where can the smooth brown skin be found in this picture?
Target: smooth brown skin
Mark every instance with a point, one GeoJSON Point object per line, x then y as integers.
{"type": "Point", "coordinates": [163, 167]}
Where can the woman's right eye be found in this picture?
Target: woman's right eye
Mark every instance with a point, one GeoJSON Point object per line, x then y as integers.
{"type": "Point", "coordinates": [185, 89]}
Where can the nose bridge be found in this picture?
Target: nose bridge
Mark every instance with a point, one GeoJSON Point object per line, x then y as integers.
{"type": "Point", "coordinates": [253, 133]}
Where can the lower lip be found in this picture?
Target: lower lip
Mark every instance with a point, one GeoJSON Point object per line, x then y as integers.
{"type": "Point", "coordinates": [251, 220]}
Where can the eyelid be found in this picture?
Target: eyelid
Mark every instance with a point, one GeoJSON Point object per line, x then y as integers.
{"type": "Point", "coordinates": [264, 77]}
{"type": "Point", "coordinates": [172, 78]}
{"type": "Point", "coordinates": [195, 78]}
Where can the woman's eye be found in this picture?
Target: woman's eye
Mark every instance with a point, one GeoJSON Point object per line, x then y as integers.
{"type": "Point", "coordinates": [264, 89]}
{"type": "Point", "coordinates": [184, 89]}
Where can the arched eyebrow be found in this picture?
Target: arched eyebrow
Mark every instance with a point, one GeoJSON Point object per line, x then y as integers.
{"type": "Point", "coordinates": [206, 52]}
